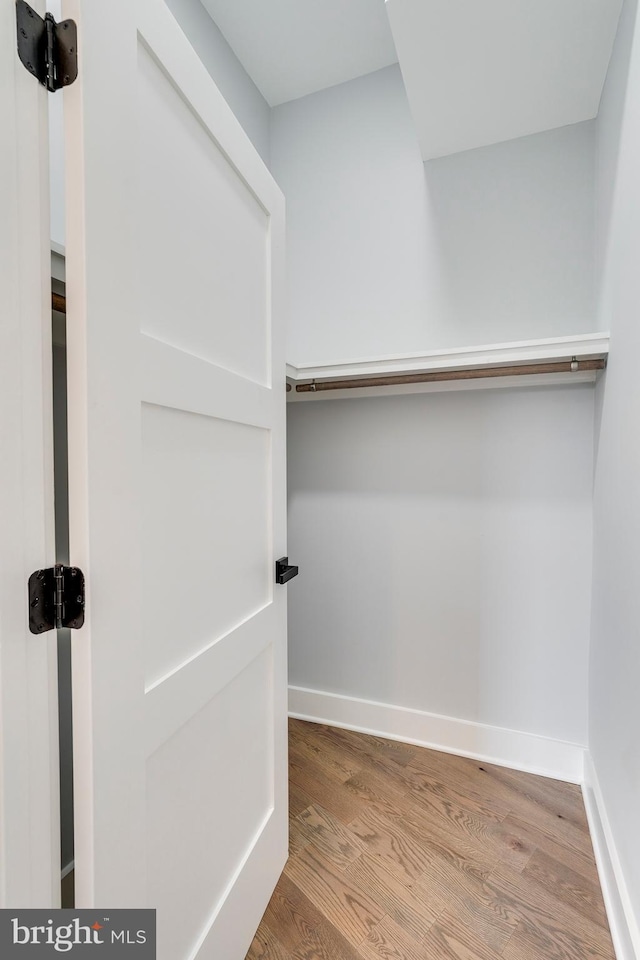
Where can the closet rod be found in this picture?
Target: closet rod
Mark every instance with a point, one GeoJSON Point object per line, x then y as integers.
{"type": "Point", "coordinates": [58, 302]}
{"type": "Point", "coordinates": [518, 370]}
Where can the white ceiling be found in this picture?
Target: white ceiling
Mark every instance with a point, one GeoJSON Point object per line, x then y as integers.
{"type": "Point", "coordinates": [294, 47]}
{"type": "Point", "coordinates": [482, 71]}
{"type": "Point", "coordinates": [476, 72]}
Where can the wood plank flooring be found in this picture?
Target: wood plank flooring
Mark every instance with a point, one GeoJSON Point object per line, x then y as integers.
{"type": "Point", "coordinates": [403, 853]}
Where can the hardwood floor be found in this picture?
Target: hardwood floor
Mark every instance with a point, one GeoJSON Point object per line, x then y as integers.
{"type": "Point", "coordinates": [403, 853]}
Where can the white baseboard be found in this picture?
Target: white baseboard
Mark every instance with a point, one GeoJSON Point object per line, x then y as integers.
{"type": "Point", "coordinates": [624, 922]}
{"type": "Point", "coordinates": [507, 748]}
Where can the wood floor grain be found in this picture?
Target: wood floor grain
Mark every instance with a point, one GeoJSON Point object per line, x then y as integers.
{"type": "Point", "coordinates": [403, 853]}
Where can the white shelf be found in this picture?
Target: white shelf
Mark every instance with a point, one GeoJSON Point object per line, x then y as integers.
{"type": "Point", "coordinates": [592, 346]}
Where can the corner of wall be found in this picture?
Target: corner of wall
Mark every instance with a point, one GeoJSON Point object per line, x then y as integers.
{"type": "Point", "coordinates": [623, 917]}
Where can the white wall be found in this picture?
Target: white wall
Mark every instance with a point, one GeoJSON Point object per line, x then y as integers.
{"type": "Point", "coordinates": [444, 544]}
{"type": "Point", "coordinates": [387, 254]}
{"type": "Point", "coordinates": [614, 705]}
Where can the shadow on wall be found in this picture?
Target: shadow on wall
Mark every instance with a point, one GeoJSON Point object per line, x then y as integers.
{"type": "Point", "coordinates": [444, 543]}
{"type": "Point", "coordinates": [515, 234]}
{"type": "Point", "coordinates": [387, 254]}
{"type": "Point", "coordinates": [609, 133]}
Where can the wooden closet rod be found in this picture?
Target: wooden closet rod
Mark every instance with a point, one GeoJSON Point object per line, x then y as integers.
{"type": "Point", "coordinates": [433, 376]}
{"type": "Point", "coordinates": [58, 302]}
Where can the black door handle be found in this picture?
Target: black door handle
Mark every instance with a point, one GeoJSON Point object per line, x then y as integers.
{"type": "Point", "coordinates": [284, 571]}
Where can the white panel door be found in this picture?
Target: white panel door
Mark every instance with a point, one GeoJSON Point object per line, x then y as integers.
{"type": "Point", "coordinates": [175, 246]}
{"type": "Point", "coordinates": [29, 803]}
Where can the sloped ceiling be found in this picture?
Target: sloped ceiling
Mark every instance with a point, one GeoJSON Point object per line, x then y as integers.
{"type": "Point", "coordinates": [294, 47]}
{"type": "Point", "coordinates": [476, 72]}
{"type": "Point", "coordinates": [481, 71]}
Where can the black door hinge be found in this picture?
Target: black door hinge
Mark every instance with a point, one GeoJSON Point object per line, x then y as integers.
{"type": "Point", "coordinates": [49, 50]}
{"type": "Point", "coordinates": [56, 599]}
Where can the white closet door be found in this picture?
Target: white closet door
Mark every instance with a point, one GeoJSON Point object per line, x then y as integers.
{"type": "Point", "coordinates": [175, 245]}
{"type": "Point", "coordinates": [29, 804]}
